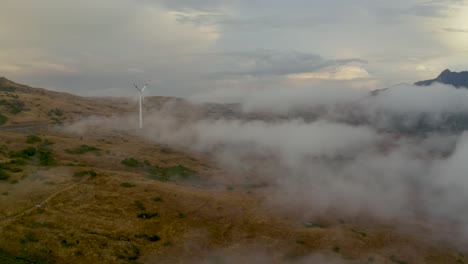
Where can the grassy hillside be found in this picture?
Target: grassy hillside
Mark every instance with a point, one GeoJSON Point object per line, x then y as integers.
{"type": "Point", "coordinates": [108, 196]}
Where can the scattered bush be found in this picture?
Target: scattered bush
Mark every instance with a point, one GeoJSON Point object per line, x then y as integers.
{"type": "Point", "coordinates": [31, 139]}
{"type": "Point", "coordinates": [15, 169]}
{"type": "Point", "coordinates": [71, 164]}
{"type": "Point", "coordinates": [153, 238]}
{"type": "Point", "coordinates": [30, 151]}
{"type": "Point", "coordinates": [140, 205]}
{"type": "Point", "coordinates": [80, 173]}
{"type": "Point", "coordinates": [82, 149]}
{"type": "Point", "coordinates": [7, 88]}
{"type": "Point", "coordinates": [25, 153]}
{"type": "Point", "coordinates": [127, 185]}
{"type": "Point", "coordinates": [14, 106]}
{"type": "Point", "coordinates": [18, 162]}
{"type": "Point", "coordinates": [131, 162]}
{"type": "Point", "coordinates": [396, 260]}
{"type": "Point", "coordinates": [57, 121]}
{"type": "Point", "coordinates": [56, 112]}
{"type": "Point", "coordinates": [10, 167]}
{"type": "Point", "coordinates": [29, 237]}
{"type": "Point", "coordinates": [92, 173]}
{"type": "Point", "coordinates": [65, 243]}
{"type": "Point", "coordinates": [170, 173]}
{"type": "Point", "coordinates": [3, 175]}
{"type": "Point", "coordinates": [336, 249]}
{"type": "Point", "coordinates": [46, 159]}
{"type": "Point", "coordinates": [147, 215]}
{"type": "Point", "coordinates": [21, 258]}
{"type": "Point", "coordinates": [3, 119]}
{"type": "Point", "coordinates": [157, 199]}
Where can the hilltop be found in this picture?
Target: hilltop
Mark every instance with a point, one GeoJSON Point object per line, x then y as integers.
{"type": "Point", "coordinates": [457, 79]}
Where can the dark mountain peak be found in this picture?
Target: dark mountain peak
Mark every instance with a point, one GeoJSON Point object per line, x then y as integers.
{"type": "Point", "coordinates": [457, 79]}
{"type": "Point", "coordinates": [446, 72]}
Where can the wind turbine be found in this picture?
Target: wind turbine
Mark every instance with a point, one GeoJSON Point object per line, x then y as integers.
{"type": "Point", "coordinates": [140, 91]}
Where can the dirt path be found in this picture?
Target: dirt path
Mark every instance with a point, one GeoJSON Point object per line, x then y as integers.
{"type": "Point", "coordinates": [41, 204]}
{"type": "Point", "coordinates": [25, 128]}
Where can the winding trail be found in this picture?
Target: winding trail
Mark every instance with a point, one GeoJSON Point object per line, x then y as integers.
{"type": "Point", "coordinates": [41, 204]}
{"type": "Point", "coordinates": [25, 128]}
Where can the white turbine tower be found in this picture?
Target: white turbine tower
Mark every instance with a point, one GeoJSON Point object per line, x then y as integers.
{"type": "Point", "coordinates": [140, 91]}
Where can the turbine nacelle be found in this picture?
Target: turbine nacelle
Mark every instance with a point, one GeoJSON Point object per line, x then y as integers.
{"type": "Point", "coordinates": [142, 89]}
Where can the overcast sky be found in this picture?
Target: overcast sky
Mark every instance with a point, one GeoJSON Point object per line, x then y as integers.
{"type": "Point", "coordinates": [100, 47]}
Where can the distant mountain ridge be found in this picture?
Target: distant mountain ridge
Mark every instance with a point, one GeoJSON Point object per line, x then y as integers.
{"type": "Point", "coordinates": [457, 79]}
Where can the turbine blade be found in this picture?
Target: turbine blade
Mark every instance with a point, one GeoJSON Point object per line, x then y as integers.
{"type": "Point", "coordinates": [136, 87]}
{"type": "Point", "coordinates": [146, 85]}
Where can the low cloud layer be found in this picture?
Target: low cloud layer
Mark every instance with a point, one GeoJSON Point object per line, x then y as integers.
{"type": "Point", "coordinates": [331, 164]}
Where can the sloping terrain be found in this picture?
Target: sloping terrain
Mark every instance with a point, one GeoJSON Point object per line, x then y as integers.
{"type": "Point", "coordinates": [111, 196]}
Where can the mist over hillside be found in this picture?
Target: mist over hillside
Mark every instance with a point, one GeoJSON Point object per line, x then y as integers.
{"type": "Point", "coordinates": [215, 132]}
{"type": "Point", "coordinates": [322, 156]}
{"type": "Point", "coordinates": [395, 155]}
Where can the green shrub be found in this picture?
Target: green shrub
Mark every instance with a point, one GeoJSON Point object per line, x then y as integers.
{"type": "Point", "coordinates": [21, 258]}
{"type": "Point", "coordinates": [56, 112]}
{"type": "Point", "coordinates": [31, 139]}
{"type": "Point", "coordinates": [154, 238]}
{"type": "Point", "coordinates": [65, 243]}
{"type": "Point", "coordinates": [29, 237]}
{"type": "Point", "coordinates": [336, 249]}
{"type": "Point", "coordinates": [127, 185]}
{"type": "Point", "coordinates": [82, 149]}
{"type": "Point", "coordinates": [3, 119]}
{"type": "Point", "coordinates": [131, 162]}
{"type": "Point", "coordinates": [170, 173]}
{"type": "Point", "coordinates": [14, 106]}
{"type": "Point", "coordinates": [46, 159]}
{"type": "Point", "coordinates": [3, 175]}
{"type": "Point", "coordinates": [7, 88]}
{"type": "Point", "coordinates": [30, 151]}
{"type": "Point", "coordinates": [157, 199]}
{"type": "Point", "coordinates": [147, 215]}
{"type": "Point", "coordinates": [18, 162]}
{"type": "Point", "coordinates": [15, 169]}
{"type": "Point", "coordinates": [80, 173]}
{"type": "Point", "coordinates": [10, 167]}
{"type": "Point", "coordinates": [91, 173]}
{"type": "Point", "coordinates": [140, 205]}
